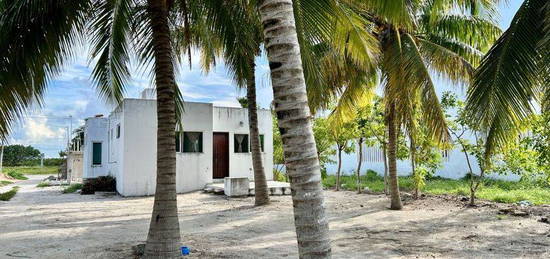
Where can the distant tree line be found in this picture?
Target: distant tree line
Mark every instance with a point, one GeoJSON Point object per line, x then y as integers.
{"type": "Point", "coordinates": [19, 155]}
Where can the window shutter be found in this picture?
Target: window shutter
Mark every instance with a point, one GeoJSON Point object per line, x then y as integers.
{"type": "Point", "coordinates": [96, 154]}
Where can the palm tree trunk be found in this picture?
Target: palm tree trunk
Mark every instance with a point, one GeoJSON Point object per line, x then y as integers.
{"type": "Point", "coordinates": [261, 195]}
{"type": "Point", "coordinates": [164, 238]}
{"type": "Point", "coordinates": [295, 125]}
{"type": "Point", "coordinates": [339, 168]}
{"type": "Point", "coordinates": [358, 171]}
{"type": "Point", "coordinates": [392, 149]}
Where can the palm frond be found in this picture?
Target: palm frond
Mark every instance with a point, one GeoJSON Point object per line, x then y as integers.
{"type": "Point", "coordinates": [506, 84]}
{"type": "Point", "coordinates": [37, 38]}
{"type": "Point", "coordinates": [445, 62]}
{"type": "Point", "coordinates": [110, 38]}
{"type": "Point", "coordinates": [408, 78]}
{"type": "Point", "coordinates": [472, 30]}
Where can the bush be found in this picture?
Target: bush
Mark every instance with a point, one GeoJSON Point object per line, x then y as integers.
{"type": "Point", "coordinates": [6, 196]}
{"type": "Point", "coordinates": [16, 175]}
{"type": "Point", "coordinates": [99, 184]}
{"type": "Point", "coordinates": [3, 183]}
{"type": "Point", "coordinates": [73, 188]}
{"type": "Point", "coordinates": [43, 184]}
{"type": "Point", "coordinates": [47, 162]}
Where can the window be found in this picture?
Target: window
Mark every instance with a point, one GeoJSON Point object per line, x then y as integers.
{"type": "Point", "coordinates": [96, 153]}
{"type": "Point", "coordinates": [118, 131]}
{"type": "Point", "coordinates": [241, 143]}
{"type": "Point", "coordinates": [262, 142]}
{"type": "Point", "coordinates": [178, 141]}
{"type": "Point", "coordinates": [192, 142]}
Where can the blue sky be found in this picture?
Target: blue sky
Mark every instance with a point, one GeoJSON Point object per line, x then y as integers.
{"type": "Point", "coordinates": [72, 94]}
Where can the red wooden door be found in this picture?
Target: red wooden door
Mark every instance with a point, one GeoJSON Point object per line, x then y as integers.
{"type": "Point", "coordinates": [221, 155]}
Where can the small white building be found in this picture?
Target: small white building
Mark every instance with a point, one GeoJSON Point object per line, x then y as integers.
{"type": "Point", "coordinates": [214, 143]}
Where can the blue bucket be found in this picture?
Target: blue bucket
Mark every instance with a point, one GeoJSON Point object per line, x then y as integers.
{"type": "Point", "coordinates": [184, 250]}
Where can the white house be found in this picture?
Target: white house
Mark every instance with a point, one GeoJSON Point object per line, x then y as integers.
{"type": "Point", "coordinates": [213, 144]}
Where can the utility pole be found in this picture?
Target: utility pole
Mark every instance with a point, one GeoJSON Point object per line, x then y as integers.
{"type": "Point", "coordinates": [41, 160]}
{"type": "Point", "coordinates": [1, 155]}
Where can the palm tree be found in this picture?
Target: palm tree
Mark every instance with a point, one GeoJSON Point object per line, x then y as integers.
{"type": "Point", "coordinates": [39, 37]}
{"type": "Point", "coordinates": [234, 32]}
{"type": "Point", "coordinates": [513, 77]}
{"type": "Point", "coordinates": [294, 118]}
{"type": "Point", "coordinates": [415, 38]}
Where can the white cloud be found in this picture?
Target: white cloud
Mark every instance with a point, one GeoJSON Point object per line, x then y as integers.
{"type": "Point", "coordinates": [37, 130]}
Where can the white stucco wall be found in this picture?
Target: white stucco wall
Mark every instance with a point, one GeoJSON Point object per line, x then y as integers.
{"type": "Point", "coordinates": [195, 169]}
{"type": "Point", "coordinates": [453, 167]}
{"type": "Point", "coordinates": [138, 153]}
{"type": "Point", "coordinates": [116, 145]}
{"type": "Point", "coordinates": [75, 166]}
{"type": "Point", "coordinates": [235, 121]}
{"type": "Point", "coordinates": [95, 130]}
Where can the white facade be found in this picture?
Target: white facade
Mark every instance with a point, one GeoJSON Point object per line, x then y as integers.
{"type": "Point", "coordinates": [130, 156]}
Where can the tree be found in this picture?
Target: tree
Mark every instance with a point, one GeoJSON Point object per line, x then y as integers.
{"type": "Point", "coordinates": [513, 77]}
{"type": "Point", "coordinates": [342, 136]}
{"type": "Point", "coordinates": [324, 144]}
{"type": "Point", "coordinates": [459, 126]}
{"type": "Point", "coordinates": [39, 37]}
{"type": "Point", "coordinates": [16, 155]}
{"type": "Point", "coordinates": [238, 37]}
{"type": "Point", "coordinates": [293, 114]}
{"type": "Point", "coordinates": [414, 39]}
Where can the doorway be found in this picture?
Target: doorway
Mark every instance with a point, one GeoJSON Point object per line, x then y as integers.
{"type": "Point", "coordinates": [221, 155]}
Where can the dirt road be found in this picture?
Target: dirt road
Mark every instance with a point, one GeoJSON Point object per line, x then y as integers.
{"type": "Point", "coordinates": [44, 223]}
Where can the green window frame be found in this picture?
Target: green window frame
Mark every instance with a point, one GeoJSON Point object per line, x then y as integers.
{"type": "Point", "coordinates": [192, 142]}
{"type": "Point", "coordinates": [262, 142]}
{"type": "Point", "coordinates": [240, 143]}
{"type": "Point", "coordinates": [96, 153]}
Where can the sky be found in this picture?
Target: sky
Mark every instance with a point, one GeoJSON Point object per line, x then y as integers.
{"type": "Point", "coordinates": [71, 97]}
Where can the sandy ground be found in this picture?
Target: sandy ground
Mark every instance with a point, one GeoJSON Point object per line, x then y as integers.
{"type": "Point", "coordinates": [43, 223]}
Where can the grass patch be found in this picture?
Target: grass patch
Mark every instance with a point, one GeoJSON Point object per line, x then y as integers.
{"type": "Point", "coordinates": [493, 190]}
{"type": "Point", "coordinates": [6, 196]}
{"type": "Point", "coordinates": [4, 183]}
{"type": "Point", "coordinates": [73, 188]}
{"type": "Point", "coordinates": [33, 170]}
{"type": "Point", "coordinates": [43, 184]}
{"type": "Point", "coordinates": [15, 175]}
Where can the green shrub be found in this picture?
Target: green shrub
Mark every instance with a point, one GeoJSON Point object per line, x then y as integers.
{"type": "Point", "coordinates": [16, 175]}
{"type": "Point", "coordinates": [4, 183]}
{"type": "Point", "coordinates": [43, 184]}
{"type": "Point", "coordinates": [35, 169]}
{"type": "Point", "coordinates": [99, 184]}
{"type": "Point", "coordinates": [6, 196]}
{"type": "Point", "coordinates": [279, 176]}
{"type": "Point", "coordinates": [73, 188]}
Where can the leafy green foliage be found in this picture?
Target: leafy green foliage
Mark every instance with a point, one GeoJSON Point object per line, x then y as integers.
{"type": "Point", "coordinates": [43, 184]}
{"type": "Point", "coordinates": [4, 183]}
{"type": "Point", "coordinates": [16, 175]}
{"type": "Point", "coordinates": [324, 142]}
{"type": "Point", "coordinates": [73, 188]}
{"type": "Point", "coordinates": [6, 196]}
{"type": "Point", "coordinates": [33, 170]}
{"type": "Point", "coordinates": [16, 155]}
{"type": "Point", "coordinates": [493, 190]}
